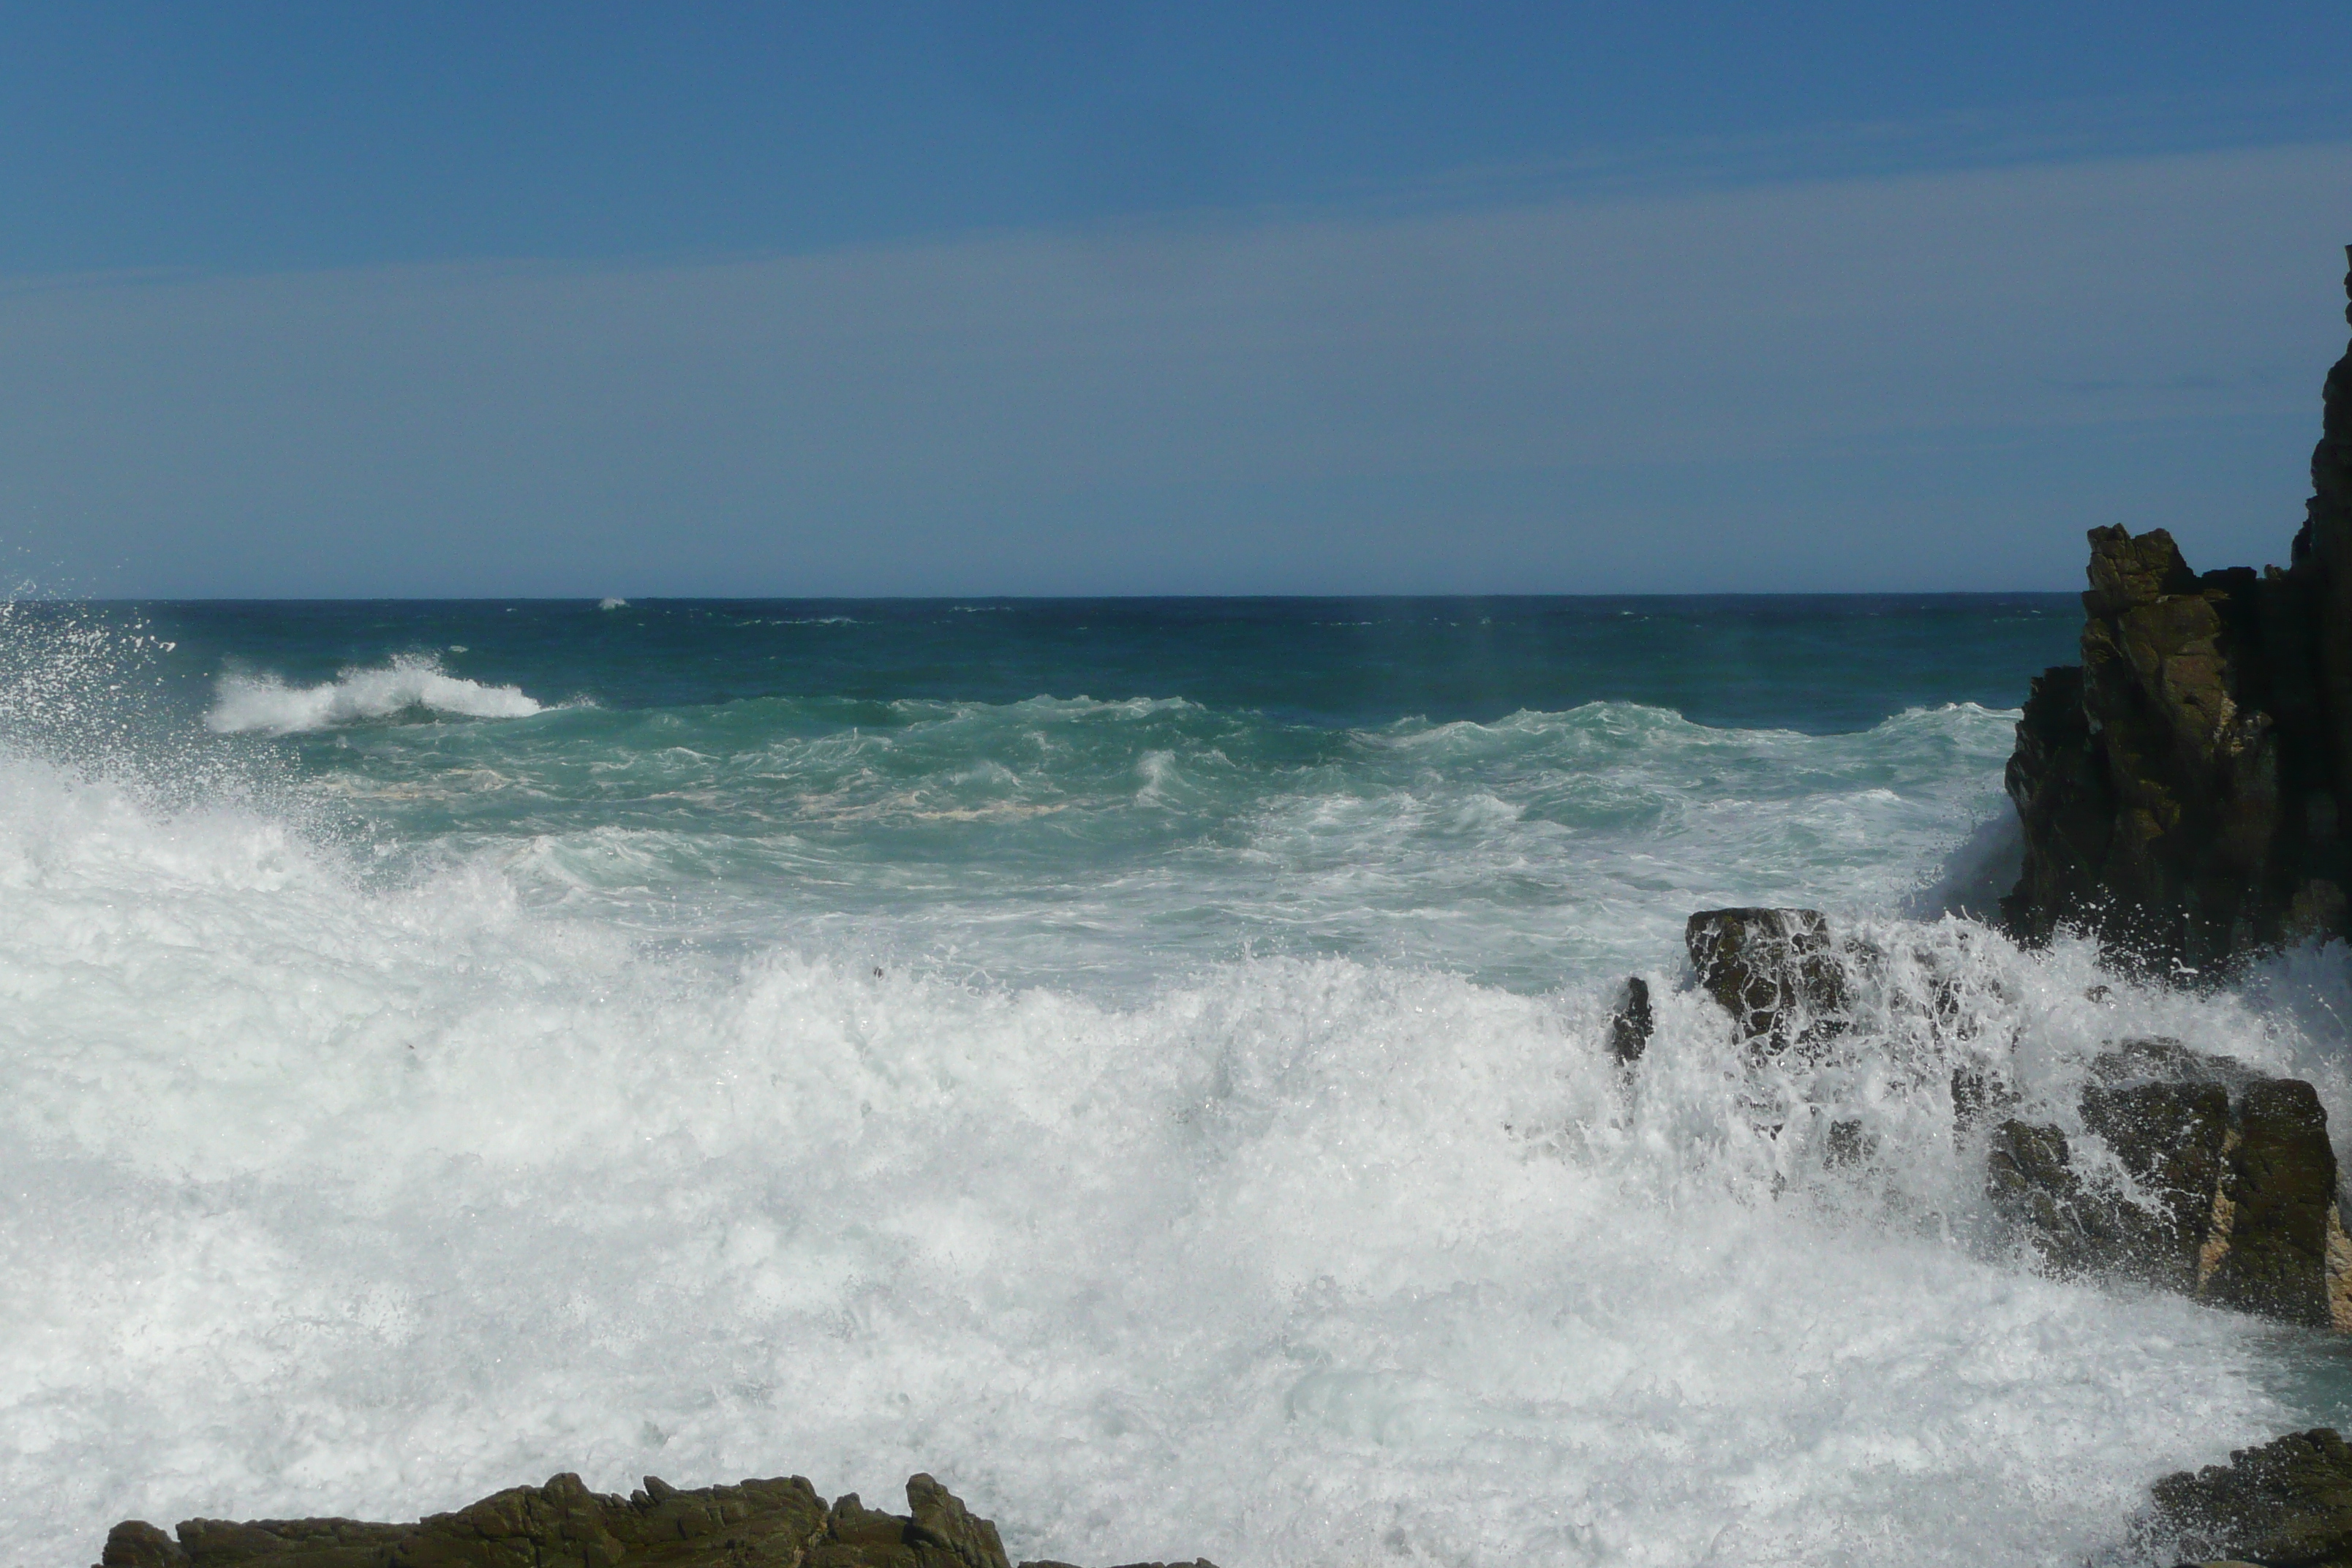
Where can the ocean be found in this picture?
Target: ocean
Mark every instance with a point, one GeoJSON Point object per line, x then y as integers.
{"type": "Point", "coordinates": [1140, 1061]}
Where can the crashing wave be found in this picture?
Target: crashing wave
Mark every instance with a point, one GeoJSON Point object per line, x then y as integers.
{"type": "Point", "coordinates": [266, 704]}
{"type": "Point", "coordinates": [300, 1148]}
{"type": "Point", "coordinates": [1277, 1226]}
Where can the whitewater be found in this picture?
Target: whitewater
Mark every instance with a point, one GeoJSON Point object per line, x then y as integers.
{"type": "Point", "coordinates": [1130, 1063]}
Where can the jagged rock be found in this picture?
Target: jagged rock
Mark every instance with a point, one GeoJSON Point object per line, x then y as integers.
{"type": "Point", "coordinates": [1978, 1096]}
{"type": "Point", "coordinates": [2169, 1143]}
{"type": "Point", "coordinates": [777, 1524]}
{"type": "Point", "coordinates": [1774, 971]}
{"type": "Point", "coordinates": [135, 1544]}
{"type": "Point", "coordinates": [2030, 1178]}
{"type": "Point", "coordinates": [2288, 1502]}
{"type": "Point", "coordinates": [2148, 779]}
{"type": "Point", "coordinates": [2178, 791]}
{"type": "Point", "coordinates": [2281, 1198]}
{"type": "Point", "coordinates": [2172, 1139]}
{"type": "Point", "coordinates": [940, 1519]}
{"type": "Point", "coordinates": [1633, 1022]}
{"type": "Point", "coordinates": [2323, 550]}
{"type": "Point", "coordinates": [2234, 1198]}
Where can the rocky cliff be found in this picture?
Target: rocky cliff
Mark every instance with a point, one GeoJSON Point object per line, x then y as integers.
{"type": "Point", "coordinates": [2180, 790]}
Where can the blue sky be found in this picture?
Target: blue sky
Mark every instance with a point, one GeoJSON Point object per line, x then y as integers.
{"type": "Point", "coordinates": [493, 298]}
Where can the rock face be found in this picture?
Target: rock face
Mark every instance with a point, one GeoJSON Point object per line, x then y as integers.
{"type": "Point", "coordinates": [1633, 1023]}
{"type": "Point", "coordinates": [2236, 1183]}
{"type": "Point", "coordinates": [2203, 1176]}
{"type": "Point", "coordinates": [770, 1524]}
{"type": "Point", "coordinates": [2180, 790]}
{"type": "Point", "coordinates": [1774, 971]}
{"type": "Point", "coordinates": [2287, 1502]}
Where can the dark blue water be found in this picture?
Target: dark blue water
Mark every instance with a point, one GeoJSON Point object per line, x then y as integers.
{"type": "Point", "coordinates": [1815, 664]}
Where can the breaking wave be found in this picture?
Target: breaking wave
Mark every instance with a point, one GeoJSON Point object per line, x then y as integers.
{"type": "Point", "coordinates": [332, 1193]}
{"type": "Point", "coordinates": [410, 683]}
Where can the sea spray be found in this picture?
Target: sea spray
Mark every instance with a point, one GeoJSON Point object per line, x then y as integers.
{"type": "Point", "coordinates": [337, 1191]}
{"type": "Point", "coordinates": [410, 1194]}
{"type": "Point", "coordinates": [409, 683]}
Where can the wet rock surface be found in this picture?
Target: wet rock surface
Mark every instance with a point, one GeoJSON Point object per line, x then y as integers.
{"type": "Point", "coordinates": [1631, 1022]}
{"type": "Point", "coordinates": [2287, 1504]}
{"type": "Point", "coordinates": [2181, 791]}
{"type": "Point", "coordinates": [781, 1523]}
{"type": "Point", "coordinates": [2222, 1185]}
{"type": "Point", "coordinates": [1775, 971]}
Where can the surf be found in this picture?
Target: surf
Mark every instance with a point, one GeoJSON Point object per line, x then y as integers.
{"type": "Point", "coordinates": [409, 684]}
{"type": "Point", "coordinates": [365, 1163]}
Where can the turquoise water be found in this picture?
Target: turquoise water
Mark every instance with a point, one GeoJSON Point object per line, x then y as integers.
{"type": "Point", "coordinates": [1115, 789]}
{"type": "Point", "coordinates": [1814, 665]}
{"type": "Point", "coordinates": [1138, 1061]}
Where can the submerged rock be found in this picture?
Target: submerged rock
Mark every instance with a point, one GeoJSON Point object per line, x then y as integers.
{"type": "Point", "coordinates": [1774, 971]}
{"type": "Point", "coordinates": [2233, 1185]}
{"type": "Point", "coordinates": [2287, 1502]}
{"type": "Point", "coordinates": [2181, 791]}
{"type": "Point", "coordinates": [777, 1524]}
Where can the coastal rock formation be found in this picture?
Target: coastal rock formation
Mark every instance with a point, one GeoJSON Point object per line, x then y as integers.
{"type": "Point", "coordinates": [2181, 791]}
{"type": "Point", "coordinates": [1774, 971]}
{"type": "Point", "coordinates": [2289, 1501]}
{"type": "Point", "coordinates": [1631, 1022]}
{"type": "Point", "coordinates": [2233, 1184]}
{"type": "Point", "coordinates": [2200, 1174]}
{"type": "Point", "coordinates": [773, 1523]}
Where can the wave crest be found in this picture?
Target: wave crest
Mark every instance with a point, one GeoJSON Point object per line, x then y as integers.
{"type": "Point", "coordinates": [264, 704]}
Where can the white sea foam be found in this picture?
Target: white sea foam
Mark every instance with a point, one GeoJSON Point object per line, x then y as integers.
{"type": "Point", "coordinates": [414, 683]}
{"type": "Point", "coordinates": [611, 603]}
{"type": "Point", "coordinates": [331, 1197]}
{"type": "Point", "coordinates": [331, 1200]}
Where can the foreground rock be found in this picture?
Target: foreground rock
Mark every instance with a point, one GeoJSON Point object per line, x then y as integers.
{"type": "Point", "coordinates": [1774, 971]}
{"type": "Point", "coordinates": [2286, 1503]}
{"type": "Point", "coordinates": [1632, 1022]}
{"type": "Point", "coordinates": [2181, 792]}
{"type": "Point", "coordinates": [2200, 1174]}
{"type": "Point", "coordinates": [770, 1524]}
{"type": "Point", "coordinates": [2234, 1198]}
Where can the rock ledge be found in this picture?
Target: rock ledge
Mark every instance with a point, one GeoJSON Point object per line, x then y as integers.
{"type": "Point", "coordinates": [781, 1523]}
{"type": "Point", "coordinates": [2287, 1502]}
